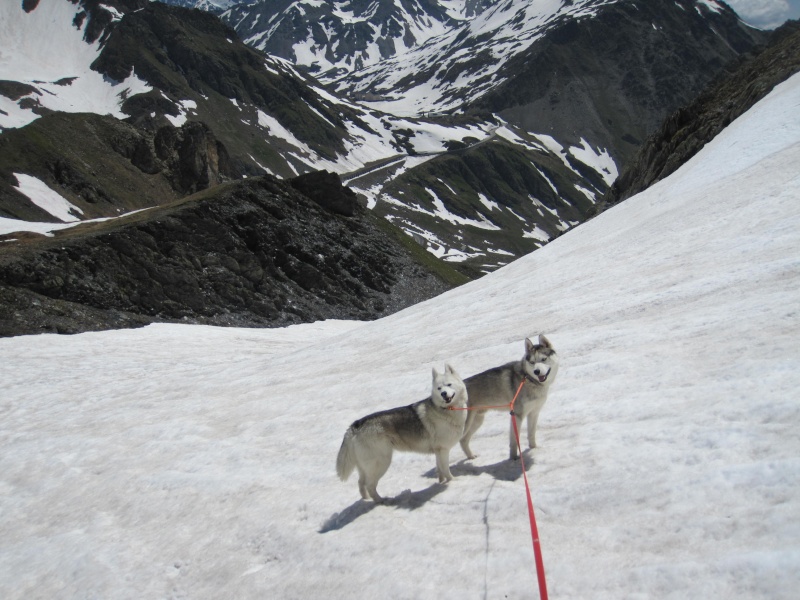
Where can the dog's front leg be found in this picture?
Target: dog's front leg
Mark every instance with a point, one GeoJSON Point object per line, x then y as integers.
{"type": "Point", "coordinates": [443, 465]}
{"type": "Point", "coordinates": [512, 437]}
{"type": "Point", "coordinates": [532, 420]}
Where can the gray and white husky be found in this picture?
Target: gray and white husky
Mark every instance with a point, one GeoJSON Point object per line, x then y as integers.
{"type": "Point", "coordinates": [429, 426]}
{"type": "Point", "coordinates": [497, 386]}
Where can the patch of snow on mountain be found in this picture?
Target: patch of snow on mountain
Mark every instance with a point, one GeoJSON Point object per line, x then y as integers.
{"type": "Point", "coordinates": [185, 107]}
{"type": "Point", "coordinates": [116, 15]}
{"type": "Point", "coordinates": [491, 205]}
{"type": "Point", "coordinates": [591, 195]}
{"type": "Point", "coordinates": [710, 5]}
{"type": "Point", "coordinates": [8, 226]}
{"type": "Point", "coordinates": [600, 161]}
{"type": "Point", "coordinates": [551, 184]}
{"type": "Point", "coordinates": [432, 138]}
{"type": "Point", "coordinates": [554, 147]}
{"type": "Point", "coordinates": [46, 51]}
{"type": "Point", "coordinates": [537, 233]}
{"type": "Point", "coordinates": [306, 54]}
{"type": "Point", "coordinates": [45, 198]}
{"type": "Point", "coordinates": [442, 213]}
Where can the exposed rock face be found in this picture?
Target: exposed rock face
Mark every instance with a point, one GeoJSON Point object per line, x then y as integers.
{"type": "Point", "coordinates": [105, 166]}
{"type": "Point", "coordinates": [191, 154]}
{"type": "Point", "coordinates": [252, 253]}
{"type": "Point", "coordinates": [613, 78]}
{"type": "Point", "coordinates": [688, 129]}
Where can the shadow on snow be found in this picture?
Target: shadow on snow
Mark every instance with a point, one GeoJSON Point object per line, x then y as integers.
{"type": "Point", "coordinates": [505, 470]}
{"type": "Point", "coordinates": [407, 500]}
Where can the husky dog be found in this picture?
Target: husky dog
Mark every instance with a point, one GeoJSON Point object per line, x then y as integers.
{"type": "Point", "coordinates": [497, 386]}
{"type": "Point", "coordinates": [429, 426]}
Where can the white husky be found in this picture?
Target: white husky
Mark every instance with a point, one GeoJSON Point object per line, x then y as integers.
{"type": "Point", "coordinates": [429, 426]}
{"type": "Point", "coordinates": [496, 388]}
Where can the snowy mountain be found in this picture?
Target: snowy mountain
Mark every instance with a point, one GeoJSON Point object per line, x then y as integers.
{"type": "Point", "coordinates": [164, 70]}
{"type": "Point", "coordinates": [412, 58]}
{"type": "Point", "coordinates": [159, 67]}
{"type": "Point", "coordinates": [527, 158]}
{"type": "Point", "coordinates": [332, 38]}
{"type": "Point", "coordinates": [188, 461]}
{"type": "Point", "coordinates": [572, 88]}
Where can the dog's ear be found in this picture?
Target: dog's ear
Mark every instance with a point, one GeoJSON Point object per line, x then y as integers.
{"type": "Point", "coordinates": [449, 369]}
{"type": "Point", "coordinates": [543, 341]}
{"type": "Point", "coordinates": [435, 373]}
{"type": "Point", "coordinates": [528, 345]}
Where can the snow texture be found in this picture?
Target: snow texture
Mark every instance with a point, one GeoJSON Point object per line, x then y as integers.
{"type": "Point", "coordinates": [195, 462]}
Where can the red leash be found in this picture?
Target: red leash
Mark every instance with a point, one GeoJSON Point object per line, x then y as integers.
{"type": "Point", "coordinates": [537, 550]}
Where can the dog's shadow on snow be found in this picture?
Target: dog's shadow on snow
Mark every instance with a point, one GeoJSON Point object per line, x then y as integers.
{"type": "Point", "coordinates": [505, 470]}
{"type": "Point", "coordinates": [407, 500]}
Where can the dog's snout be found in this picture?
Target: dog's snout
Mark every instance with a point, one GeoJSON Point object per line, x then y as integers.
{"type": "Point", "coordinates": [541, 372]}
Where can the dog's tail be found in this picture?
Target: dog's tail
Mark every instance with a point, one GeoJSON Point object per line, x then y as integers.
{"type": "Point", "coordinates": [346, 461]}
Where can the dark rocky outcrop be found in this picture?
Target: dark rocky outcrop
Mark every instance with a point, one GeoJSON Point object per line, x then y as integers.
{"type": "Point", "coordinates": [251, 253]}
{"type": "Point", "coordinates": [685, 132]}
{"type": "Point", "coordinates": [326, 189]}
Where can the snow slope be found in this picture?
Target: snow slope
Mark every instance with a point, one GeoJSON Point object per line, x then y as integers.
{"type": "Point", "coordinates": [187, 461]}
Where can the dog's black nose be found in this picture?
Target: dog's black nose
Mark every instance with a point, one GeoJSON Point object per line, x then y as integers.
{"type": "Point", "coordinates": [537, 372]}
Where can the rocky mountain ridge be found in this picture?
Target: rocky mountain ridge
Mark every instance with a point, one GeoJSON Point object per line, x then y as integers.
{"type": "Point", "coordinates": [255, 253]}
